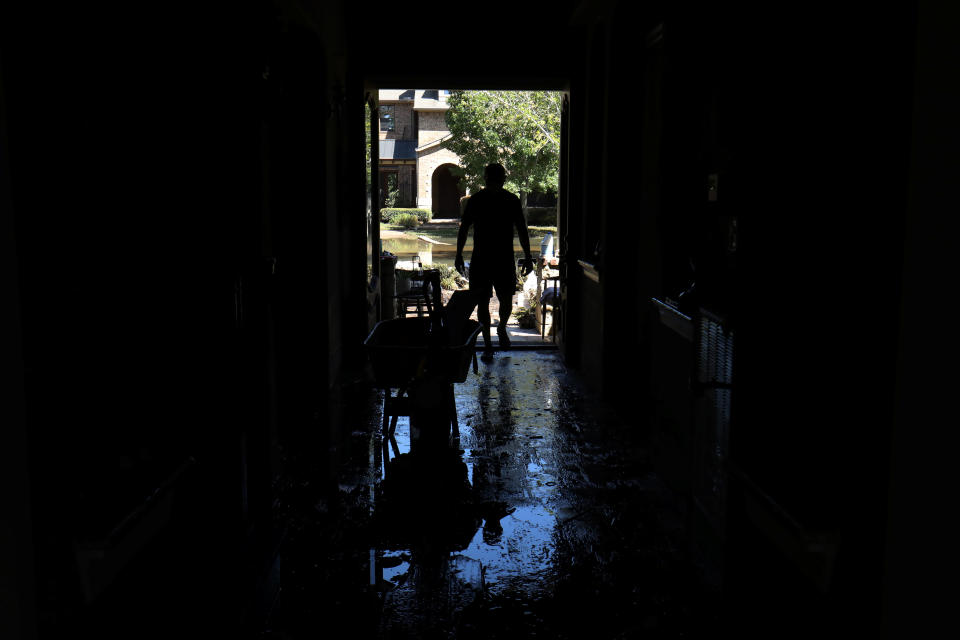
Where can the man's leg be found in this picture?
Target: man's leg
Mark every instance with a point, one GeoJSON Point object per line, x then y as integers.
{"type": "Point", "coordinates": [481, 288]}
{"type": "Point", "coordinates": [483, 315]}
{"type": "Point", "coordinates": [505, 292]}
{"type": "Point", "coordinates": [506, 309]}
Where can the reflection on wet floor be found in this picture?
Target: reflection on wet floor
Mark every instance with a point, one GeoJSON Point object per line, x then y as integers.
{"type": "Point", "coordinates": [541, 519]}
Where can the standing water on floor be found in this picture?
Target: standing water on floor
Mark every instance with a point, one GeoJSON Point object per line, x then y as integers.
{"type": "Point", "coordinates": [540, 519]}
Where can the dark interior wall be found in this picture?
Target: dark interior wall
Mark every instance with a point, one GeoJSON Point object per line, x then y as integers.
{"type": "Point", "coordinates": [806, 122]}
{"type": "Point", "coordinates": [652, 134]}
{"type": "Point", "coordinates": [17, 577]}
{"type": "Point", "coordinates": [822, 257]}
{"type": "Point", "coordinates": [129, 202]}
{"type": "Point", "coordinates": [180, 192]}
{"type": "Point", "coordinates": [631, 271]}
{"type": "Point", "coordinates": [920, 530]}
{"type": "Point", "coordinates": [346, 253]}
{"type": "Point", "coordinates": [568, 218]}
{"type": "Point", "coordinates": [817, 293]}
{"type": "Point", "coordinates": [589, 215]}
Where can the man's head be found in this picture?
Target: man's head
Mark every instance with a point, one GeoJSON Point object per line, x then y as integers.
{"type": "Point", "coordinates": [495, 175]}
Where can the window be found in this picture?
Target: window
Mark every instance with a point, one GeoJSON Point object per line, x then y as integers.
{"type": "Point", "coordinates": [386, 118]}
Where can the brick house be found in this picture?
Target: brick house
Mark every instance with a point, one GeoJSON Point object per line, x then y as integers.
{"type": "Point", "coordinates": [412, 158]}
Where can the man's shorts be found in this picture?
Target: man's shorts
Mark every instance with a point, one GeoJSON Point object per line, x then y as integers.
{"type": "Point", "coordinates": [482, 283]}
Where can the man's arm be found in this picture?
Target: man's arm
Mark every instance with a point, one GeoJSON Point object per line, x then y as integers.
{"type": "Point", "coordinates": [524, 236]}
{"type": "Point", "coordinates": [465, 221]}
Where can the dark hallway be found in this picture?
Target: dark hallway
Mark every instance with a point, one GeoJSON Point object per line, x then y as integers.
{"type": "Point", "coordinates": [741, 428]}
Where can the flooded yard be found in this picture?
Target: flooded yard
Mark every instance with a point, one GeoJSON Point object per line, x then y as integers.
{"type": "Point", "coordinates": [443, 249]}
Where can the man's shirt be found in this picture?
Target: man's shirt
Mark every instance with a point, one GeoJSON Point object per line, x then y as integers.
{"type": "Point", "coordinates": [494, 214]}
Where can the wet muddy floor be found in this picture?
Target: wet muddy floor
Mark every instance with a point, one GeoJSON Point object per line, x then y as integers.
{"type": "Point", "coordinates": [541, 518]}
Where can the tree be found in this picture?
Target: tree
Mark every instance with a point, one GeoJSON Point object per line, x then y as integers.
{"type": "Point", "coordinates": [518, 129]}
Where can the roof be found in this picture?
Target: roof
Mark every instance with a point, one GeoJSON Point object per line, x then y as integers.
{"type": "Point", "coordinates": [423, 99]}
{"type": "Point", "coordinates": [430, 100]}
{"type": "Point", "coordinates": [395, 95]}
{"type": "Point", "coordinates": [398, 149]}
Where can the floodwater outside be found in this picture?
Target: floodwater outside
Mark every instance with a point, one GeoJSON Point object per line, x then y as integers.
{"type": "Point", "coordinates": [441, 245]}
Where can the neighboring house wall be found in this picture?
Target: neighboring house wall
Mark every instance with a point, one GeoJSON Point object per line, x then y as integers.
{"type": "Point", "coordinates": [432, 125]}
{"type": "Point", "coordinates": [427, 162]}
{"type": "Point", "coordinates": [401, 166]}
{"type": "Point", "coordinates": [403, 118]}
{"type": "Point", "coordinates": [424, 121]}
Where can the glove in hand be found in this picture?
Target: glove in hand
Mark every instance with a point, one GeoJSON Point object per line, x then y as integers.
{"type": "Point", "coordinates": [526, 266]}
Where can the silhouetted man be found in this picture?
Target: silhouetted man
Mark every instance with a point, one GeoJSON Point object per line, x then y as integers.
{"type": "Point", "coordinates": [494, 214]}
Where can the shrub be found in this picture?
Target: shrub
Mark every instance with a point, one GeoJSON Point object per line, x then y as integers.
{"type": "Point", "coordinates": [542, 216]}
{"type": "Point", "coordinates": [539, 232]}
{"type": "Point", "coordinates": [405, 220]}
{"type": "Point", "coordinates": [389, 214]}
{"type": "Point", "coordinates": [450, 278]}
{"type": "Point", "coordinates": [527, 316]}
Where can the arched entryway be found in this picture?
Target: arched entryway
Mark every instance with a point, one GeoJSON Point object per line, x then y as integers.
{"type": "Point", "coordinates": [446, 190]}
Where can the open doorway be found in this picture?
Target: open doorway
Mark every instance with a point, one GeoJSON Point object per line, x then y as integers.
{"type": "Point", "coordinates": [447, 188]}
{"type": "Point", "coordinates": [431, 147]}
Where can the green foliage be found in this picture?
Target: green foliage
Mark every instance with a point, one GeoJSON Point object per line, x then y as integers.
{"type": "Point", "coordinates": [390, 199]}
{"type": "Point", "coordinates": [405, 220]}
{"type": "Point", "coordinates": [518, 129]}
{"type": "Point", "coordinates": [527, 316]}
{"type": "Point", "coordinates": [537, 233]}
{"type": "Point", "coordinates": [389, 214]}
{"type": "Point", "coordinates": [450, 278]}
{"type": "Point", "coordinates": [542, 216]}
{"type": "Point", "coordinates": [392, 191]}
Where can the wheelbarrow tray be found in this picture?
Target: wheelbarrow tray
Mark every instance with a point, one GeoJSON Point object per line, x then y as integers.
{"type": "Point", "coordinates": [401, 350]}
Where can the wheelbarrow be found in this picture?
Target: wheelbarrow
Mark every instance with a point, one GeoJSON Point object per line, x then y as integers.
{"type": "Point", "coordinates": [421, 357]}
